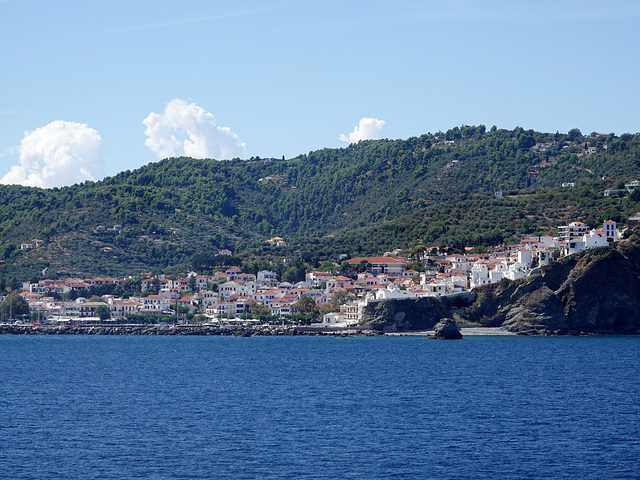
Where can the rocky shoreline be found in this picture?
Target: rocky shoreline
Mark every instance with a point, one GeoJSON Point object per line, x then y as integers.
{"type": "Point", "coordinates": [202, 330]}
{"type": "Point", "coordinates": [593, 292]}
{"type": "Point", "coordinates": [265, 330]}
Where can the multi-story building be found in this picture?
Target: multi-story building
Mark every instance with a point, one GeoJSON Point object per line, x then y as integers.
{"type": "Point", "coordinates": [573, 231]}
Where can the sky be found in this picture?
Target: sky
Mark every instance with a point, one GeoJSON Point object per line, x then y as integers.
{"type": "Point", "coordinates": [92, 88]}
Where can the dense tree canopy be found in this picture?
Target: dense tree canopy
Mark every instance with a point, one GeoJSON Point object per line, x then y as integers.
{"type": "Point", "coordinates": [177, 214]}
{"type": "Point", "coordinates": [14, 307]}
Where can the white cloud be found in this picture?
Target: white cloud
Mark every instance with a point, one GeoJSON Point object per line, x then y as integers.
{"type": "Point", "coordinates": [367, 129]}
{"type": "Point", "coordinates": [186, 129]}
{"type": "Point", "coordinates": [58, 154]}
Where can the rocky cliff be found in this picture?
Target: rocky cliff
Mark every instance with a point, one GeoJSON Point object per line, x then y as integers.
{"type": "Point", "coordinates": [594, 291]}
{"type": "Point", "coordinates": [405, 315]}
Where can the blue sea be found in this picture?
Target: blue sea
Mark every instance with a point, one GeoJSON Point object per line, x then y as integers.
{"type": "Point", "coordinates": [319, 408]}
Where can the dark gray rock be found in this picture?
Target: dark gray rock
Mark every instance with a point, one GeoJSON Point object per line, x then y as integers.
{"type": "Point", "coordinates": [446, 329]}
{"type": "Point", "coordinates": [412, 314]}
{"type": "Point", "coordinates": [539, 309]}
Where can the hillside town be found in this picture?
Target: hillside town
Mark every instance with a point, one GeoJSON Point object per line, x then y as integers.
{"type": "Point", "coordinates": [331, 299]}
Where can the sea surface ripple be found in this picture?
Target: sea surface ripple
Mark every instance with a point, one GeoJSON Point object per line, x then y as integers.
{"type": "Point", "coordinates": [319, 408]}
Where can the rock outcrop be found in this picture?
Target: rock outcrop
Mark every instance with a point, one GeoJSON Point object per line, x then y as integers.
{"type": "Point", "coordinates": [446, 329]}
{"type": "Point", "coordinates": [405, 314]}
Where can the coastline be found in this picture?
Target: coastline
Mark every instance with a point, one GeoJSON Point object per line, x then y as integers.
{"type": "Point", "coordinates": [186, 330]}
{"type": "Point", "coordinates": [238, 331]}
{"type": "Point", "coordinates": [267, 330]}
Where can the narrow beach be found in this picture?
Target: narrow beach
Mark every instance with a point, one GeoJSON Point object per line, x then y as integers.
{"type": "Point", "coordinates": [466, 331]}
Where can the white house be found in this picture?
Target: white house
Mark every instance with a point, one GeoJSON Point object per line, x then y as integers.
{"type": "Point", "coordinates": [480, 274]}
{"type": "Point", "coordinates": [229, 288]}
{"type": "Point", "coordinates": [316, 278]}
{"type": "Point", "coordinates": [515, 271]}
{"type": "Point", "coordinates": [266, 277]}
{"type": "Point", "coordinates": [543, 257]}
{"type": "Point", "coordinates": [332, 320]}
{"type": "Point", "coordinates": [121, 308]}
{"type": "Point", "coordinates": [525, 257]}
{"type": "Point", "coordinates": [208, 298]}
{"type": "Point", "coordinates": [155, 304]}
{"type": "Point", "coordinates": [436, 289]}
{"type": "Point", "coordinates": [594, 239]}
{"type": "Point", "coordinates": [392, 292]}
{"type": "Point", "coordinates": [631, 186]}
{"type": "Point", "coordinates": [351, 312]}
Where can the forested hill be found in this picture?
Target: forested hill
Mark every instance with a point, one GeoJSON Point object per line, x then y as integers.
{"type": "Point", "coordinates": [171, 210]}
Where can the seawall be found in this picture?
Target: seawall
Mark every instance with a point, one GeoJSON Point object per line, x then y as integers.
{"type": "Point", "coordinates": [211, 330]}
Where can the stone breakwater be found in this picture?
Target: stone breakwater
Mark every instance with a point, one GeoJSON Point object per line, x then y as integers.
{"type": "Point", "coordinates": [264, 330]}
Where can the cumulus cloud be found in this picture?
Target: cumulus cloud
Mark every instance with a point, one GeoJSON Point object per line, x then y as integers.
{"type": "Point", "coordinates": [186, 129]}
{"type": "Point", "coordinates": [367, 129]}
{"type": "Point", "coordinates": [58, 154]}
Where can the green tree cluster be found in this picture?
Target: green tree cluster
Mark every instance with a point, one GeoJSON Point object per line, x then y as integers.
{"type": "Point", "coordinates": [176, 214]}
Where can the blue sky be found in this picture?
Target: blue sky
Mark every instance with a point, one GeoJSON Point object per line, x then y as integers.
{"type": "Point", "coordinates": [289, 76]}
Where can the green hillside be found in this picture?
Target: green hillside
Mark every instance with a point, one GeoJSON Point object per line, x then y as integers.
{"type": "Point", "coordinates": [370, 197]}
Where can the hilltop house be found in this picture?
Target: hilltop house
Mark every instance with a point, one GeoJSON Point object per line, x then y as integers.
{"type": "Point", "coordinates": [631, 186]}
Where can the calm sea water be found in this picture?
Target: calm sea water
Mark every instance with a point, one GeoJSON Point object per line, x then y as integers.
{"type": "Point", "coordinates": [319, 408]}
